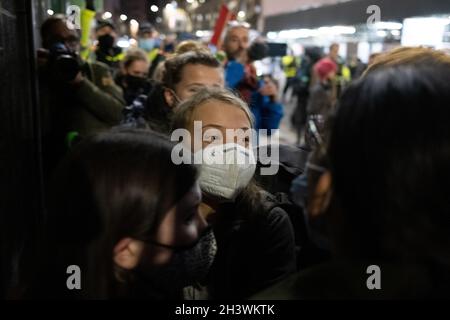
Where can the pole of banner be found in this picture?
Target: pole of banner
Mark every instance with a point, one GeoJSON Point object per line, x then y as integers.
{"type": "Point", "coordinates": [224, 16]}
{"type": "Point", "coordinates": [87, 16]}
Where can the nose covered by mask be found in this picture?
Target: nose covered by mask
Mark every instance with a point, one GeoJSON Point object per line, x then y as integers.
{"type": "Point", "coordinates": [147, 44]}
{"type": "Point", "coordinates": [226, 169]}
{"type": "Point", "coordinates": [106, 42]}
{"type": "Point", "coordinates": [188, 266]}
{"type": "Point", "coordinates": [137, 84]}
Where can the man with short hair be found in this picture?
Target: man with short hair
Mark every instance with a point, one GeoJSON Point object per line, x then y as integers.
{"type": "Point", "coordinates": [240, 75]}
{"type": "Point", "coordinates": [237, 42]}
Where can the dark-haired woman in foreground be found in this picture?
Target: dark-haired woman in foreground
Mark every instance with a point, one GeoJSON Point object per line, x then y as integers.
{"type": "Point", "coordinates": [122, 212]}
{"type": "Point", "coordinates": [384, 192]}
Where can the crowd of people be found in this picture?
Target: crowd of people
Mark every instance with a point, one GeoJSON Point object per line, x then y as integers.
{"type": "Point", "coordinates": [369, 185]}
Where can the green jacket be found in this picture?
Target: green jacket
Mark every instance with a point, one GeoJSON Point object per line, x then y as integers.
{"type": "Point", "coordinates": [90, 107]}
{"type": "Point", "coordinates": [99, 101]}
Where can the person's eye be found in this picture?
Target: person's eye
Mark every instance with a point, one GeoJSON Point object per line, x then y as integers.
{"type": "Point", "coordinates": [212, 138]}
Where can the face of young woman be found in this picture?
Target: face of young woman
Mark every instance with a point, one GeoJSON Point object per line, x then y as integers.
{"type": "Point", "coordinates": [217, 117]}
{"type": "Point", "coordinates": [196, 77]}
{"type": "Point", "coordinates": [138, 68]}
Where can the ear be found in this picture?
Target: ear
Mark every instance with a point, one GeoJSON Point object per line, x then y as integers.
{"type": "Point", "coordinates": [127, 253]}
{"type": "Point", "coordinates": [168, 96]}
{"type": "Point", "coordinates": [322, 196]}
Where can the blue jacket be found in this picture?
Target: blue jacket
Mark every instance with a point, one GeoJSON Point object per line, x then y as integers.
{"type": "Point", "coordinates": [267, 114]}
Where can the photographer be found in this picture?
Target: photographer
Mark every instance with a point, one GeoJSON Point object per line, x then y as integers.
{"type": "Point", "coordinates": [77, 98]}
{"type": "Point", "coordinates": [240, 74]}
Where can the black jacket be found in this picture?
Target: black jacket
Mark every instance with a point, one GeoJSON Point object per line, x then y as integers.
{"type": "Point", "coordinates": [320, 100]}
{"type": "Point", "coordinates": [253, 253]}
{"type": "Point", "coordinates": [349, 280]}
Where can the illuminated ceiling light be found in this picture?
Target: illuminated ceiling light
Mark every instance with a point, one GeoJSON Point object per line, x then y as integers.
{"type": "Point", "coordinates": [123, 17]}
{"type": "Point", "coordinates": [381, 33]}
{"type": "Point", "coordinates": [50, 12]}
{"type": "Point", "coordinates": [272, 35]}
{"type": "Point", "coordinates": [171, 6]}
{"type": "Point", "coordinates": [154, 8]}
{"type": "Point", "coordinates": [107, 15]}
{"type": "Point", "coordinates": [337, 30]}
{"type": "Point", "coordinates": [293, 34]}
{"type": "Point", "coordinates": [241, 14]}
{"type": "Point", "coordinates": [389, 25]}
{"type": "Point", "coordinates": [123, 43]}
{"type": "Point", "coordinates": [203, 33]}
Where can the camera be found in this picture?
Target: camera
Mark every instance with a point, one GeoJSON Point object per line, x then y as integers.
{"type": "Point", "coordinates": [64, 63]}
{"type": "Point", "coordinates": [258, 51]}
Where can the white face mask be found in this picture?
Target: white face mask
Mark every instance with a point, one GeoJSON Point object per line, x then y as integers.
{"type": "Point", "coordinates": [226, 169]}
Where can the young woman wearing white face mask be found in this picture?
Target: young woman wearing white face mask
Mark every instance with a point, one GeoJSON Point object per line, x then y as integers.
{"type": "Point", "coordinates": [255, 245]}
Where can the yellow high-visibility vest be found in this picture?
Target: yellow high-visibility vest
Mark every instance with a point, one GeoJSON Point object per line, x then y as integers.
{"type": "Point", "coordinates": [152, 55]}
{"type": "Point", "coordinates": [116, 58]}
{"type": "Point", "coordinates": [289, 66]}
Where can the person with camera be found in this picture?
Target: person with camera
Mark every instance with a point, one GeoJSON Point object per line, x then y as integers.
{"type": "Point", "coordinates": [77, 98]}
{"type": "Point", "coordinates": [240, 74]}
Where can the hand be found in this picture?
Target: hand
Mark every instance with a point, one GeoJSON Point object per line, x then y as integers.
{"type": "Point", "coordinates": [269, 89]}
